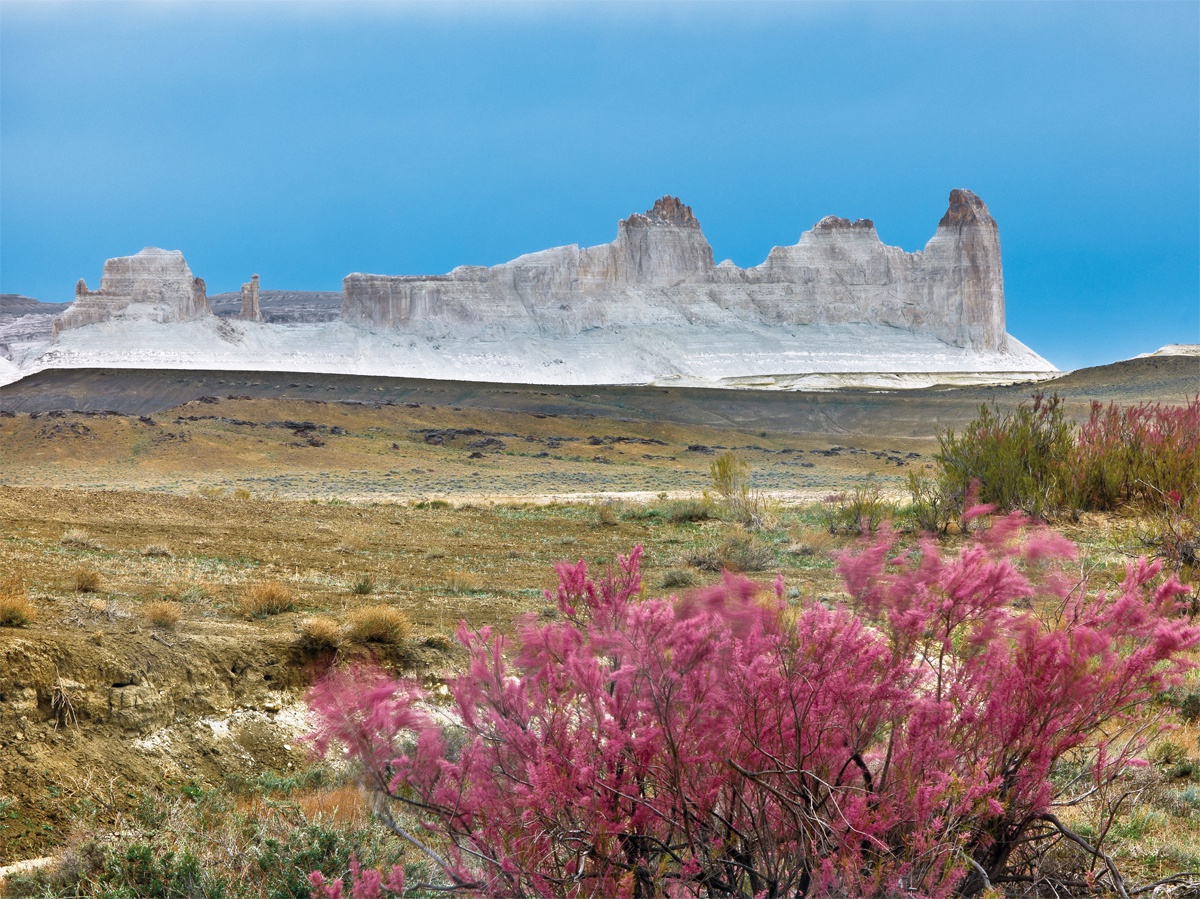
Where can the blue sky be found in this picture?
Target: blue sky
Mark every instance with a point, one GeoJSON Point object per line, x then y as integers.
{"type": "Point", "coordinates": [307, 141]}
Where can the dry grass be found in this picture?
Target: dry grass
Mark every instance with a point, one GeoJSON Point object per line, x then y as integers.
{"type": "Point", "coordinates": [157, 551]}
{"type": "Point", "coordinates": [460, 582]}
{"type": "Point", "coordinates": [77, 538]}
{"type": "Point", "coordinates": [740, 551]}
{"type": "Point", "coordinates": [266, 599]}
{"type": "Point", "coordinates": [16, 610]}
{"type": "Point", "coordinates": [162, 613]}
{"type": "Point", "coordinates": [320, 634]}
{"type": "Point", "coordinates": [812, 541]}
{"type": "Point", "coordinates": [85, 579]}
{"type": "Point", "coordinates": [606, 515]}
{"type": "Point", "coordinates": [379, 624]}
{"type": "Point", "coordinates": [345, 806]}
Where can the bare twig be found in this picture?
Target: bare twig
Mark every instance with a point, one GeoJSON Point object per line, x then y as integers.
{"type": "Point", "coordinates": [1118, 883]}
{"type": "Point", "coordinates": [1173, 879]}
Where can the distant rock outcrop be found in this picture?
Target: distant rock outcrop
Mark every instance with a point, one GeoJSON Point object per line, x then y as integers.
{"type": "Point", "coordinates": [660, 270]}
{"type": "Point", "coordinates": [282, 307]}
{"type": "Point", "coordinates": [250, 310]}
{"type": "Point", "coordinates": [154, 285]}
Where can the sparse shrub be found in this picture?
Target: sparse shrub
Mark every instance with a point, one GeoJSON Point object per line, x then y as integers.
{"type": "Point", "coordinates": [677, 577]}
{"type": "Point", "coordinates": [812, 542]}
{"type": "Point", "coordinates": [364, 586]}
{"type": "Point", "coordinates": [62, 703]}
{"type": "Point", "coordinates": [242, 493]}
{"type": "Point", "coordinates": [440, 642]}
{"type": "Point", "coordinates": [85, 579]}
{"type": "Point", "coordinates": [320, 634]}
{"type": "Point", "coordinates": [606, 515]}
{"type": "Point", "coordinates": [379, 624]}
{"type": "Point", "coordinates": [860, 511]}
{"type": "Point", "coordinates": [1183, 803]}
{"type": "Point", "coordinates": [908, 736]}
{"type": "Point", "coordinates": [162, 614]}
{"type": "Point", "coordinates": [642, 511]}
{"type": "Point", "coordinates": [464, 582]}
{"type": "Point", "coordinates": [731, 480]}
{"type": "Point", "coordinates": [1189, 707]}
{"type": "Point", "coordinates": [1019, 459]}
{"type": "Point", "coordinates": [77, 538]}
{"type": "Point", "coordinates": [157, 550]}
{"type": "Point", "coordinates": [265, 599]}
{"type": "Point", "coordinates": [431, 504]}
{"type": "Point", "coordinates": [1170, 526]}
{"type": "Point", "coordinates": [15, 609]}
{"type": "Point", "coordinates": [1167, 753]}
{"type": "Point", "coordinates": [683, 511]}
{"type": "Point", "coordinates": [931, 508]}
{"type": "Point", "coordinates": [738, 552]}
{"type": "Point", "coordinates": [212, 845]}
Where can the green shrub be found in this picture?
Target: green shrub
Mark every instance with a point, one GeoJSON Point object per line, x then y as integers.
{"type": "Point", "coordinates": [684, 511]}
{"type": "Point", "coordinates": [861, 511]}
{"type": "Point", "coordinates": [1019, 459]}
{"type": "Point", "coordinates": [930, 506]}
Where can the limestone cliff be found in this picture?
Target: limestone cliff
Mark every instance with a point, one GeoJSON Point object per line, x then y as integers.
{"type": "Point", "coordinates": [155, 285]}
{"type": "Point", "coordinates": [660, 270]}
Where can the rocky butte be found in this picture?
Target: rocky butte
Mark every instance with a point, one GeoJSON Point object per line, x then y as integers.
{"type": "Point", "coordinates": [154, 285]}
{"type": "Point", "coordinates": [660, 271]}
{"type": "Point", "coordinates": [837, 308]}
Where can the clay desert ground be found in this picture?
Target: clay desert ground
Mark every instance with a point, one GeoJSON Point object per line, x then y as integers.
{"type": "Point", "coordinates": [142, 508]}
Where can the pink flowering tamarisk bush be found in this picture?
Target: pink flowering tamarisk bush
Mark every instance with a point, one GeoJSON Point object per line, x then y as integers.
{"type": "Point", "coordinates": [1138, 453]}
{"type": "Point", "coordinates": [727, 744]}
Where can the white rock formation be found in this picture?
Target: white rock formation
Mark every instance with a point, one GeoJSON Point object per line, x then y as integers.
{"type": "Point", "coordinates": [154, 285]}
{"type": "Point", "coordinates": [250, 310]}
{"type": "Point", "coordinates": [660, 271]}
{"type": "Point", "coordinates": [836, 309]}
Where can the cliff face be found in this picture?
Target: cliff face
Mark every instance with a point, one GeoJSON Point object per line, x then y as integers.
{"type": "Point", "coordinates": [154, 284]}
{"type": "Point", "coordinates": [660, 270]}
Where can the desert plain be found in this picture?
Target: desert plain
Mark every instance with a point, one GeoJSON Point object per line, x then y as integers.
{"type": "Point", "coordinates": [142, 510]}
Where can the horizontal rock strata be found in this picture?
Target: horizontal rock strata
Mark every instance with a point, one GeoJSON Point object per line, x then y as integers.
{"type": "Point", "coordinates": [153, 285]}
{"type": "Point", "coordinates": [660, 270]}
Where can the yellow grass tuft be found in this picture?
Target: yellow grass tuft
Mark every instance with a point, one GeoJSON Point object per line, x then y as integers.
{"type": "Point", "coordinates": [263, 600]}
{"type": "Point", "coordinates": [162, 613]}
{"type": "Point", "coordinates": [320, 634]}
{"type": "Point", "coordinates": [379, 624]}
{"type": "Point", "coordinates": [16, 610]}
{"type": "Point", "coordinates": [85, 579]}
{"type": "Point", "coordinates": [464, 582]}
